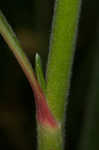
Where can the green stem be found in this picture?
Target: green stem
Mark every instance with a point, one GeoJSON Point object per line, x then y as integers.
{"type": "Point", "coordinates": [59, 69]}
{"type": "Point", "coordinates": [61, 54]}
{"type": "Point", "coordinates": [49, 139]}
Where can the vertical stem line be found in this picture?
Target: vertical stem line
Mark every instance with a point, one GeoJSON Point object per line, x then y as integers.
{"type": "Point", "coordinates": [61, 53]}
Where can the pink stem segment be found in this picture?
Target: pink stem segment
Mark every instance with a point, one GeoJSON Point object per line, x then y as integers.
{"type": "Point", "coordinates": [43, 113]}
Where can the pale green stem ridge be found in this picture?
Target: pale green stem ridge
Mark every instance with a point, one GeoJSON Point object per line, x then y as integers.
{"type": "Point", "coordinates": [39, 72]}
{"type": "Point", "coordinates": [10, 37]}
{"type": "Point", "coordinates": [61, 53]}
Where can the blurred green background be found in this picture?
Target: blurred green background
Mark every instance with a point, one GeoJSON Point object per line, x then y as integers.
{"type": "Point", "coordinates": [31, 20]}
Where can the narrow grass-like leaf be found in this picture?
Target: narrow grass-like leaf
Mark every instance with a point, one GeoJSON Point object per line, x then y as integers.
{"type": "Point", "coordinates": [39, 72]}
{"type": "Point", "coordinates": [10, 38]}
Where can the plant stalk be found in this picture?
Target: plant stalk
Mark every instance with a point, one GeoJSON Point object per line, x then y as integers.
{"type": "Point", "coordinates": [61, 52]}
{"type": "Point", "coordinates": [49, 138]}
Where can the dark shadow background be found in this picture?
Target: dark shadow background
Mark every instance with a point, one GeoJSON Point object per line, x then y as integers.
{"type": "Point", "coordinates": [31, 20]}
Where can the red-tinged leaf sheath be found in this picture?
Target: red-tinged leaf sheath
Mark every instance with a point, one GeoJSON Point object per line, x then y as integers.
{"type": "Point", "coordinates": [43, 113]}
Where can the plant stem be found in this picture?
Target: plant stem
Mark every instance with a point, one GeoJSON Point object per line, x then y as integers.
{"type": "Point", "coordinates": [59, 68]}
{"type": "Point", "coordinates": [49, 139]}
{"type": "Point", "coordinates": [61, 54]}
